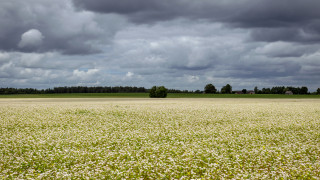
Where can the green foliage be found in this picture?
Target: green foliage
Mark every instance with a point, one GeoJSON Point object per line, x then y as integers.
{"type": "Point", "coordinates": [318, 91]}
{"type": "Point", "coordinates": [227, 89]}
{"type": "Point", "coordinates": [158, 92]}
{"type": "Point", "coordinates": [244, 91]}
{"type": "Point", "coordinates": [210, 89]}
{"type": "Point", "coordinates": [152, 92]}
{"type": "Point", "coordinates": [74, 89]}
{"type": "Point", "coordinates": [304, 90]}
{"type": "Point", "coordinates": [256, 90]}
{"type": "Point", "coordinates": [276, 90]}
{"type": "Point", "coordinates": [268, 91]}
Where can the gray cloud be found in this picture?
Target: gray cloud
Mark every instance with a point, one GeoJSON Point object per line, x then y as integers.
{"type": "Point", "coordinates": [181, 44]}
{"type": "Point", "coordinates": [183, 54]}
{"type": "Point", "coordinates": [286, 49]}
{"type": "Point", "coordinates": [261, 13]}
{"type": "Point", "coordinates": [44, 25]}
{"type": "Point", "coordinates": [287, 20]}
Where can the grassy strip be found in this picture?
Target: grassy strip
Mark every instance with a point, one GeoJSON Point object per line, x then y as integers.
{"type": "Point", "coordinates": [146, 95]}
{"type": "Point", "coordinates": [79, 95]}
{"type": "Point", "coordinates": [276, 96]}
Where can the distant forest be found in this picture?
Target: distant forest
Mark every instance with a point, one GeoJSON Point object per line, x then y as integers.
{"type": "Point", "coordinates": [129, 89]}
{"type": "Point", "coordinates": [84, 89]}
{"type": "Point", "coordinates": [76, 89]}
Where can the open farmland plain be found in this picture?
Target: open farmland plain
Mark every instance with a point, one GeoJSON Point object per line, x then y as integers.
{"type": "Point", "coordinates": [160, 138]}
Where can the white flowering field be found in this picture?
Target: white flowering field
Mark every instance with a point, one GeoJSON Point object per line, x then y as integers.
{"type": "Point", "coordinates": [159, 139]}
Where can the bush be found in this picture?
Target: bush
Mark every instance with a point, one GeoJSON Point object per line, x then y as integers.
{"type": "Point", "coordinates": [158, 92]}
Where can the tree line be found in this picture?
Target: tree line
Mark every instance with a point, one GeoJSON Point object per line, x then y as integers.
{"type": "Point", "coordinates": [211, 89]}
{"type": "Point", "coordinates": [85, 89]}
{"type": "Point", "coordinates": [75, 89]}
{"type": "Point", "coordinates": [227, 89]}
{"type": "Point", "coordinates": [208, 89]}
{"type": "Point", "coordinates": [282, 90]}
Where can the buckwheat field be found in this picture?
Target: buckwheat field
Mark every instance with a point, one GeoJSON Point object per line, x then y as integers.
{"type": "Point", "coordinates": [160, 139]}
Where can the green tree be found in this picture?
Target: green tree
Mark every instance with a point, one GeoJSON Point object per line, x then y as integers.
{"type": "Point", "coordinates": [227, 89]}
{"type": "Point", "coordinates": [256, 90]}
{"type": "Point", "coordinates": [158, 92]}
{"type": "Point", "coordinates": [265, 91]}
{"type": "Point", "coordinates": [152, 92]}
{"type": "Point", "coordinates": [210, 89]}
{"type": "Point", "coordinates": [303, 90]}
{"type": "Point", "coordinates": [244, 91]}
{"type": "Point", "coordinates": [318, 91]}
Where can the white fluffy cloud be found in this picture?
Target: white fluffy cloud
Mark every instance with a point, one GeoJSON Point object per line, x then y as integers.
{"type": "Point", "coordinates": [129, 74]}
{"type": "Point", "coordinates": [32, 38]}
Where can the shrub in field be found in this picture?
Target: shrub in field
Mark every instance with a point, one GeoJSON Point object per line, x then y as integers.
{"type": "Point", "coordinates": [158, 92]}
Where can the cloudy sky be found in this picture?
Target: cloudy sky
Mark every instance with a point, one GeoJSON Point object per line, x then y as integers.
{"type": "Point", "coordinates": [182, 44]}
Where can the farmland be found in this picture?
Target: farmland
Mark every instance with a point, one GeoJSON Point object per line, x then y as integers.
{"type": "Point", "coordinates": [159, 138]}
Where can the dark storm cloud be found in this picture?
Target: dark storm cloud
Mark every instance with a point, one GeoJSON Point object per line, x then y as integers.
{"type": "Point", "coordinates": [252, 13]}
{"type": "Point", "coordinates": [270, 20]}
{"type": "Point", "coordinates": [154, 10]}
{"type": "Point", "coordinates": [270, 70]}
{"type": "Point", "coordinates": [123, 7]}
{"type": "Point", "coordinates": [138, 10]}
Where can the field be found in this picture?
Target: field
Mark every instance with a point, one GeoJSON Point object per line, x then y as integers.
{"type": "Point", "coordinates": [124, 138]}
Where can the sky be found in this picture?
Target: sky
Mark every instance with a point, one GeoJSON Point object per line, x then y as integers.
{"type": "Point", "coordinates": [181, 44]}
